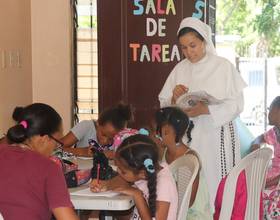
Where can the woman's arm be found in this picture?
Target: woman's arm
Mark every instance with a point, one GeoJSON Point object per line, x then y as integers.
{"type": "Point", "coordinates": [65, 213]}
{"type": "Point", "coordinates": [57, 194]}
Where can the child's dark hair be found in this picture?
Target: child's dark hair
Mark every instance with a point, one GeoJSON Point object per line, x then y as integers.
{"type": "Point", "coordinates": [177, 119]}
{"type": "Point", "coordinates": [35, 119]}
{"type": "Point", "coordinates": [136, 151]}
{"type": "Point", "coordinates": [118, 116]}
{"type": "Point", "coordinates": [186, 30]}
{"type": "Point", "coordinates": [276, 102]}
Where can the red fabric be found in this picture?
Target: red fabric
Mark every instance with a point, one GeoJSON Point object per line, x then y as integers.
{"type": "Point", "coordinates": [31, 185]}
{"type": "Point", "coordinates": [240, 200]}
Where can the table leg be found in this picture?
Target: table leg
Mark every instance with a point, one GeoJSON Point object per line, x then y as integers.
{"type": "Point", "coordinates": [104, 215]}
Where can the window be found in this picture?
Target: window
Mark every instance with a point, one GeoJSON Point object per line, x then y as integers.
{"type": "Point", "coordinates": [86, 77]}
{"type": "Point", "coordinates": [256, 78]}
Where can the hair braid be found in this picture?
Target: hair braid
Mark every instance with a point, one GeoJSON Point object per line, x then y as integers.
{"type": "Point", "coordinates": [189, 130]}
{"type": "Point", "coordinates": [152, 186]}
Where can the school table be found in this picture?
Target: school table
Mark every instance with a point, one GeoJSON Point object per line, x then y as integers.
{"type": "Point", "coordinates": [117, 203]}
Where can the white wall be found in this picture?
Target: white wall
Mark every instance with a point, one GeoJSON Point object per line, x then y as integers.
{"type": "Point", "coordinates": [15, 39]}
{"type": "Point", "coordinates": [40, 32]}
{"type": "Point", "coordinates": [51, 55]}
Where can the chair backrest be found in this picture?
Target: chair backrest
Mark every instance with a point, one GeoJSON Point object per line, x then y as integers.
{"type": "Point", "coordinates": [184, 170]}
{"type": "Point", "coordinates": [255, 165]}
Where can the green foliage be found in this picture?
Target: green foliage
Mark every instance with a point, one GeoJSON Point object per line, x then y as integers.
{"type": "Point", "coordinates": [242, 47]}
{"type": "Point", "coordinates": [238, 17]}
{"type": "Point", "coordinates": [231, 16]}
{"type": "Point", "coordinates": [85, 22]}
{"type": "Point", "coordinates": [267, 24]}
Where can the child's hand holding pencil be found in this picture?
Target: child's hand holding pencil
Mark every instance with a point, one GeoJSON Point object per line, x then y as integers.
{"type": "Point", "coordinates": [98, 185]}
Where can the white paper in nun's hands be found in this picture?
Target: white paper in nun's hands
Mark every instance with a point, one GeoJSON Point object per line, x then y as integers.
{"type": "Point", "coordinates": [189, 99]}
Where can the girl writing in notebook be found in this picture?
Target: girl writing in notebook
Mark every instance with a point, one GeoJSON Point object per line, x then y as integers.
{"type": "Point", "coordinates": [138, 164]}
{"type": "Point", "coordinates": [109, 123]}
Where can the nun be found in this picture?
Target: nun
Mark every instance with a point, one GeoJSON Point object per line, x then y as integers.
{"type": "Point", "coordinates": [214, 135]}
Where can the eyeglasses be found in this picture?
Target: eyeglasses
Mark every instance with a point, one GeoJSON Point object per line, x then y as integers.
{"type": "Point", "coordinates": [58, 143]}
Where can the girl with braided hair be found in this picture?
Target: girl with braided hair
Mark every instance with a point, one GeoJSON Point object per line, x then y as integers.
{"type": "Point", "coordinates": [137, 160]}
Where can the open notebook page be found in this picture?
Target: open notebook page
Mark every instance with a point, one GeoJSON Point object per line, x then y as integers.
{"type": "Point", "coordinates": [87, 192]}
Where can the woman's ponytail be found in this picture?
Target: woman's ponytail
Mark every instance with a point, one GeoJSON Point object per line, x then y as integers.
{"type": "Point", "coordinates": [34, 119]}
{"type": "Point", "coordinates": [18, 133]}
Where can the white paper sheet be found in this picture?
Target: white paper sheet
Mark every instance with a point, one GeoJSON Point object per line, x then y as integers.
{"type": "Point", "coordinates": [87, 192]}
{"type": "Point", "coordinates": [189, 99]}
{"type": "Point", "coordinates": [84, 158]}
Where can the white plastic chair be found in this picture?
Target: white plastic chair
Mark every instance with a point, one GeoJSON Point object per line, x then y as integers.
{"type": "Point", "coordinates": [255, 165]}
{"type": "Point", "coordinates": [184, 169]}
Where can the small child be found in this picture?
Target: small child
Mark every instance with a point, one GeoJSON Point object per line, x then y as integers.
{"type": "Point", "coordinates": [172, 124]}
{"type": "Point", "coordinates": [109, 123]}
{"type": "Point", "coordinates": [272, 137]}
{"type": "Point", "coordinates": [137, 162]}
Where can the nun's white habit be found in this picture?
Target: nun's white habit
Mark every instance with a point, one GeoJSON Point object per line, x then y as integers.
{"type": "Point", "coordinates": [214, 136]}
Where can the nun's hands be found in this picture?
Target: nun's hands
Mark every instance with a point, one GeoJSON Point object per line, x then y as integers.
{"type": "Point", "coordinates": [199, 109]}
{"type": "Point", "coordinates": [177, 92]}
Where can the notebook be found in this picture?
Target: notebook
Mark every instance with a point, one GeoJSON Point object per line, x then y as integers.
{"type": "Point", "coordinates": [87, 192]}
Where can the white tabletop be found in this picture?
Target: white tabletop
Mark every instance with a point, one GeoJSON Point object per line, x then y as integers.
{"type": "Point", "coordinates": [117, 203]}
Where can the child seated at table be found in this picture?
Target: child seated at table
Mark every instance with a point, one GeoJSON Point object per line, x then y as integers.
{"type": "Point", "coordinates": [138, 165]}
{"type": "Point", "coordinates": [109, 123]}
{"type": "Point", "coordinates": [172, 124]}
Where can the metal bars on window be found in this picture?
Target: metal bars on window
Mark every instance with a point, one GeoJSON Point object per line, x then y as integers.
{"type": "Point", "coordinates": [86, 78]}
